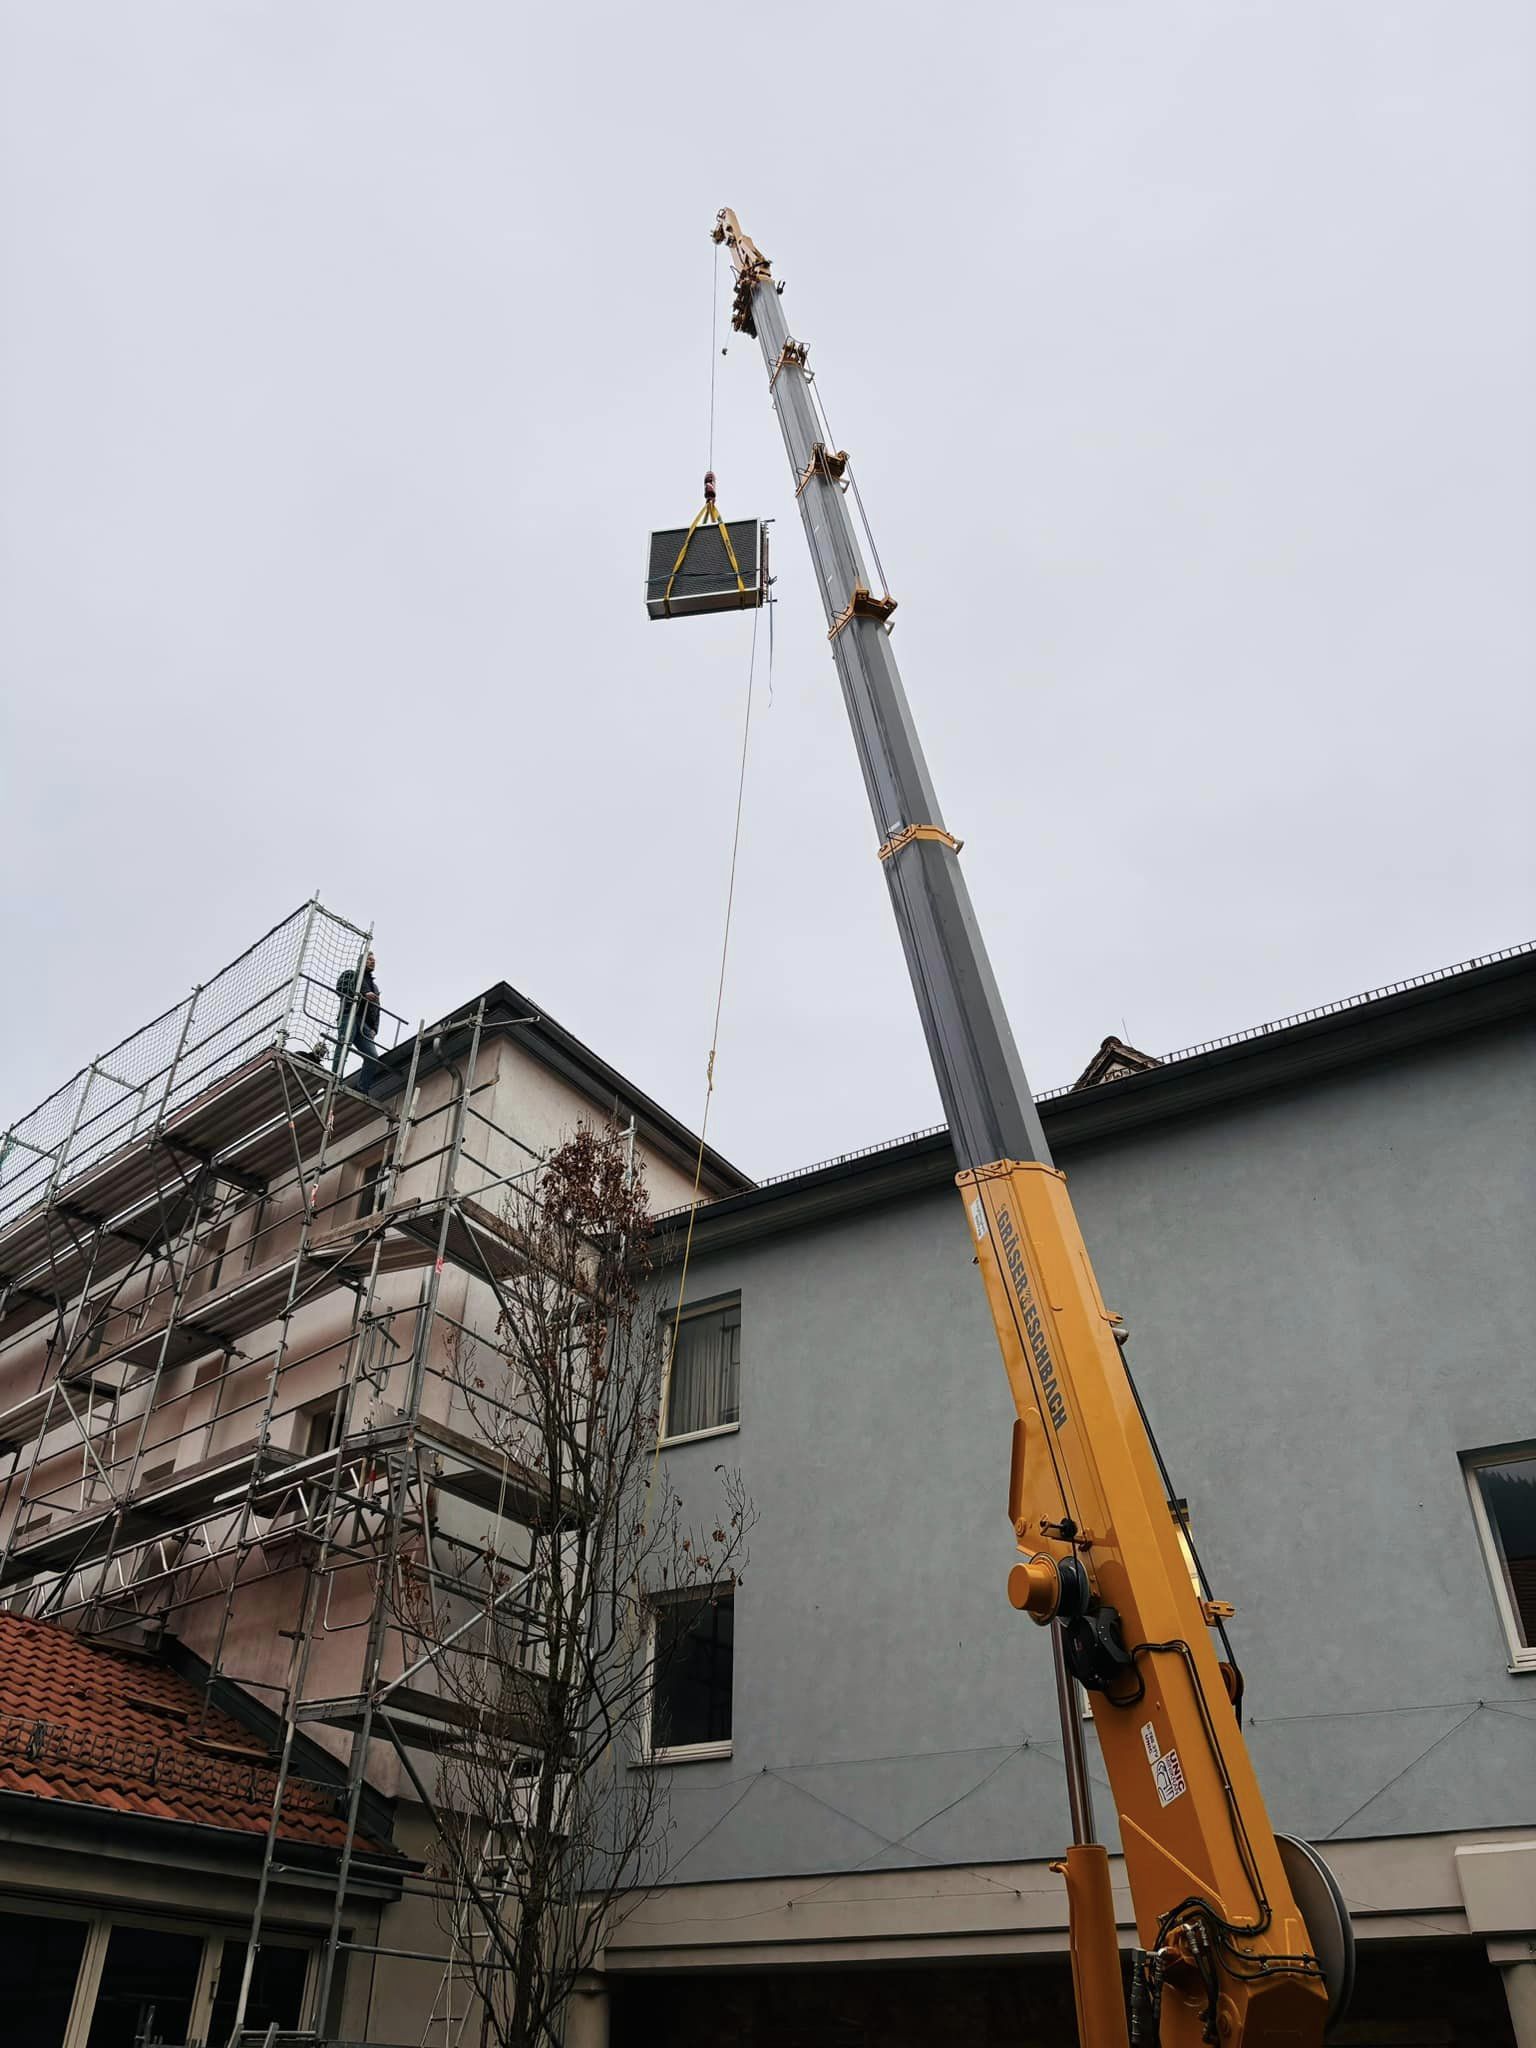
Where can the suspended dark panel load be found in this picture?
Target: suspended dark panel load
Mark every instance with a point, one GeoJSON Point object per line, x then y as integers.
{"type": "Point", "coordinates": [708, 566]}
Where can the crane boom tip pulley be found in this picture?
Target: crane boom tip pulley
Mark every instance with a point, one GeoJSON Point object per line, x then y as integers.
{"type": "Point", "coordinates": [751, 265]}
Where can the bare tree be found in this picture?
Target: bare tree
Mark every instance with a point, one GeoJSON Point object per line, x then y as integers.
{"type": "Point", "coordinates": [551, 1823]}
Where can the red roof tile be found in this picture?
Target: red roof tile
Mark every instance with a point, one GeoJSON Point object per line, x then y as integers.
{"type": "Point", "coordinates": [90, 1725]}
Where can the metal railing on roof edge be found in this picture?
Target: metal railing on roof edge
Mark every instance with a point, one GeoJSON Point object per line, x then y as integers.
{"type": "Point", "coordinates": [1185, 1052]}
{"type": "Point", "coordinates": [35, 1741]}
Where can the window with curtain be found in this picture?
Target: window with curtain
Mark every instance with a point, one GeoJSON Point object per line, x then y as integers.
{"type": "Point", "coordinates": [1503, 1485]}
{"type": "Point", "coordinates": [704, 1387]}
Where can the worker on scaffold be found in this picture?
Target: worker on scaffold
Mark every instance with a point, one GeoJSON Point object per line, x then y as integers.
{"type": "Point", "coordinates": [358, 1023]}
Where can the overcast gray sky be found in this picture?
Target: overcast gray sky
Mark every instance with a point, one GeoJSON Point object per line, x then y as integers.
{"type": "Point", "coordinates": [351, 350]}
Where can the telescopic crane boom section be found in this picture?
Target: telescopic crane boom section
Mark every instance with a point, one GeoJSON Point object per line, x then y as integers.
{"type": "Point", "coordinates": [1104, 1567]}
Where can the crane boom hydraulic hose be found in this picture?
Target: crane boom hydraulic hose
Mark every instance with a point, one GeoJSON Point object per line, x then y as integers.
{"type": "Point", "coordinates": [1104, 1568]}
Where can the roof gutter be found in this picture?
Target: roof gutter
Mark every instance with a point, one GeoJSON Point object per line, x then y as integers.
{"type": "Point", "coordinates": [1381, 1028]}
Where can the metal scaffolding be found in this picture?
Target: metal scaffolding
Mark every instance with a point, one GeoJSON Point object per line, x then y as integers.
{"type": "Point", "coordinates": [225, 1359]}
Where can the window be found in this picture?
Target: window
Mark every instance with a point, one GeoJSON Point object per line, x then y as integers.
{"type": "Point", "coordinates": [372, 1186]}
{"type": "Point", "coordinates": [692, 1640]}
{"type": "Point", "coordinates": [1503, 1488]}
{"type": "Point", "coordinates": [277, 1989]}
{"type": "Point", "coordinates": [97, 1315]}
{"type": "Point", "coordinates": [39, 1962]}
{"type": "Point", "coordinates": [98, 1983]}
{"type": "Point", "coordinates": [704, 1383]}
{"type": "Point", "coordinates": [208, 1268]}
{"type": "Point", "coordinates": [315, 1426]}
{"type": "Point", "coordinates": [148, 1983]}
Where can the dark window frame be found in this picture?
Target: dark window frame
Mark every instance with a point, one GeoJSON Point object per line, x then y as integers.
{"type": "Point", "coordinates": [1513, 1582]}
{"type": "Point", "coordinates": [709, 1741]}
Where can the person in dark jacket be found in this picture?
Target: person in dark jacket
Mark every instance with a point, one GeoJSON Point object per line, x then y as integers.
{"type": "Point", "coordinates": [359, 1020]}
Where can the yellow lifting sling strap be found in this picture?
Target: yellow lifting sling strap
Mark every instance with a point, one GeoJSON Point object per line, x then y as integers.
{"type": "Point", "coordinates": [708, 511]}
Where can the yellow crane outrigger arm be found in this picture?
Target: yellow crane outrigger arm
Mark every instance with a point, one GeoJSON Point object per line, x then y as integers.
{"type": "Point", "coordinates": [1222, 1941]}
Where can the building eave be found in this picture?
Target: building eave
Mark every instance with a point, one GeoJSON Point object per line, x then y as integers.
{"type": "Point", "coordinates": [83, 1824]}
{"type": "Point", "coordinates": [1292, 1054]}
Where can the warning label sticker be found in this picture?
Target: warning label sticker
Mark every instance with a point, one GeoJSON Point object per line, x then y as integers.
{"type": "Point", "coordinates": [1168, 1777]}
{"type": "Point", "coordinates": [1149, 1742]}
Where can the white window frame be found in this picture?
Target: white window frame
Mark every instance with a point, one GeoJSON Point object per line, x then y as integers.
{"type": "Point", "coordinates": [712, 1307]}
{"type": "Point", "coordinates": [213, 1947]}
{"type": "Point", "coordinates": [1521, 1659]}
{"type": "Point", "coordinates": [682, 1752]}
{"type": "Point", "coordinates": [699, 1436]}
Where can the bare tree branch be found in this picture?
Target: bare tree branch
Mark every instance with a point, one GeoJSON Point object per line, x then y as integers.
{"type": "Point", "coordinates": [551, 1824]}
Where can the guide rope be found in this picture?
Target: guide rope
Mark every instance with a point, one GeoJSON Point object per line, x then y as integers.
{"type": "Point", "coordinates": [714, 352]}
{"type": "Point", "coordinates": [632, 1633]}
{"type": "Point", "coordinates": [725, 947]}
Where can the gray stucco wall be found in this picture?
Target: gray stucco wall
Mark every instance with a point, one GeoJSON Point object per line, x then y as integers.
{"type": "Point", "coordinates": [1331, 1295]}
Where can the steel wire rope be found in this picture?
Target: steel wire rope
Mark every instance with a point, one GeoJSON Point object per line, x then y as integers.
{"type": "Point", "coordinates": [903, 1841]}
{"type": "Point", "coordinates": [748, 1779]}
{"type": "Point", "coordinates": [1412, 1764]}
{"type": "Point", "coordinates": [714, 355]}
{"type": "Point", "coordinates": [818, 406]}
{"type": "Point", "coordinates": [887, 1842]}
{"type": "Point", "coordinates": [1514, 1713]}
{"type": "Point", "coordinates": [714, 1040]}
{"type": "Point", "coordinates": [1361, 1713]}
{"type": "Point", "coordinates": [753, 1778]}
{"type": "Point", "coordinates": [1183, 1523]}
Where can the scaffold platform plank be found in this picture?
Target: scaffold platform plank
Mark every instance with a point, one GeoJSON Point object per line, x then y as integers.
{"type": "Point", "coordinates": [222, 1317]}
{"type": "Point", "coordinates": [51, 1407]}
{"type": "Point", "coordinates": [172, 1502]}
{"type": "Point", "coordinates": [477, 1239]}
{"type": "Point", "coordinates": [476, 1471]}
{"type": "Point", "coordinates": [248, 1120]}
{"type": "Point", "coordinates": [23, 1307]}
{"type": "Point", "coordinates": [429, 1720]}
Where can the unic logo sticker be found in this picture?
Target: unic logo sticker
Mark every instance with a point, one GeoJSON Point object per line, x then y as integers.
{"type": "Point", "coordinates": [1034, 1331]}
{"type": "Point", "coordinates": [1168, 1776]}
